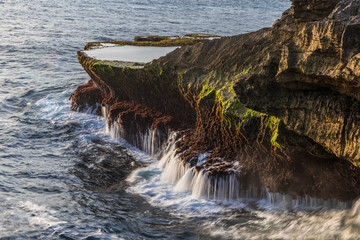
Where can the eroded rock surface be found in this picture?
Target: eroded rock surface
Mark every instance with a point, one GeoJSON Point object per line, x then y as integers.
{"type": "Point", "coordinates": [306, 71]}
{"type": "Point", "coordinates": [280, 105]}
{"type": "Point", "coordinates": [316, 88]}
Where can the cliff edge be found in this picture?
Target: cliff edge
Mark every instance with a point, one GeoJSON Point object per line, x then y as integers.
{"type": "Point", "coordinates": [280, 105]}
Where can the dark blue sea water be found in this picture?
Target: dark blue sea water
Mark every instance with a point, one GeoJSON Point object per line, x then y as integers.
{"type": "Point", "coordinates": [63, 177]}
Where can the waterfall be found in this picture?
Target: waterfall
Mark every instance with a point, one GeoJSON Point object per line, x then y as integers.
{"type": "Point", "coordinates": [201, 184]}
{"type": "Point", "coordinates": [105, 110]}
{"type": "Point", "coordinates": [230, 186]}
{"type": "Point", "coordinates": [174, 168]}
{"type": "Point", "coordinates": [227, 187]}
{"type": "Point", "coordinates": [286, 202]}
{"type": "Point", "coordinates": [150, 141]}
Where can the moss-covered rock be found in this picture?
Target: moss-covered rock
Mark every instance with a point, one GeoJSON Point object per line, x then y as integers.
{"type": "Point", "coordinates": [158, 41]}
{"type": "Point", "coordinates": [279, 105]}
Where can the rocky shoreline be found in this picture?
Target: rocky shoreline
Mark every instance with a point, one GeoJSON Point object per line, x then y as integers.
{"type": "Point", "coordinates": [280, 106]}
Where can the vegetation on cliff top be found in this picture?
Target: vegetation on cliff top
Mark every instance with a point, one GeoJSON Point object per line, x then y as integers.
{"type": "Point", "coordinates": [159, 41]}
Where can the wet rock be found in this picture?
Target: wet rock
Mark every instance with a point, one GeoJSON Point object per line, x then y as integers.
{"type": "Point", "coordinates": [279, 105]}
{"type": "Point", "coordinates": [87, 96]}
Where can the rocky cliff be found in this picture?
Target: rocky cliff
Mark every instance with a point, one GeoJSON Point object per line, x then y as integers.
{"type": "Point", "coordinates": [280, 105]}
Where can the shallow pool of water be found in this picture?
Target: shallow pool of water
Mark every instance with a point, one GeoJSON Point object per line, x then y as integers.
{"type": "Point", "coordinates": [141, 54]}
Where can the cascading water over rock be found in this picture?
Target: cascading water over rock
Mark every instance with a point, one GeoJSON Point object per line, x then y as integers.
{"type": "Point", "coordinates": [235, 145]}
{"type": "Point", "coordinates": [226, 187]}
{"type": "Point", "coordinates": [149, 141]}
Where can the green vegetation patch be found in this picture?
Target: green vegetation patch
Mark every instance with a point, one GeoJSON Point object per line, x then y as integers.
{"type": "Point", "coordinates": [269, 122]}
{"type": "Point", "coordinates": [223, 85]}
{"type": "Point", "coordinates": [159, 41]}
{"type": "Point", "coordinates": [234, 113]}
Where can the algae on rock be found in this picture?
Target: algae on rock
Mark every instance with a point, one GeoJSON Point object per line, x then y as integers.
{"type": "Point", "coordinates": [282, 102]}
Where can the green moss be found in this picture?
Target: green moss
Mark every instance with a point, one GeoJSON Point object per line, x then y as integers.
{"type": "Point", "coordinates": [274, 138]}
{"type": "Point", "coordinates": [205, 91]}
{"type": "Point", "coordinates": [160, 72]}
{"type": "Point", "coordinates": [103, 69]}
{"type": "Point", "coordinates": [152, 38]}
{"type": "Point", "coordinates": [271, 124]}
{"type": "Point", "coordinates": [159, 41]}
{"type": "Point", "coordinates": [234, 107]}
{"type": "Point", "coordinates": [163, 43]}
{"type": "Point", "coordinates": [218, 87]}
{"type": "Point", "coordinates": [244, 72]}
{"type": "Point", "coordinates": [223, 85]}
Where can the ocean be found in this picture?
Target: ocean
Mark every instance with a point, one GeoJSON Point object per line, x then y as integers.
{"type": "Point", "coordinates": [62, 175]}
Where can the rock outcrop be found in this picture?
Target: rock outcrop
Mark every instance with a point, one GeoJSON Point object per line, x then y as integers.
{"type": "Point", "coordinates": [280, 105]}
{"type": "Point", "coordinates": [315, 90]}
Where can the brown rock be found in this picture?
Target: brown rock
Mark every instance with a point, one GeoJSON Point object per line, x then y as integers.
{"type": "Point", "coordinates": [305, 70]}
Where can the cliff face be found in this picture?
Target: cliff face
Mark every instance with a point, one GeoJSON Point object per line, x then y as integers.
{"type": "Point", "coordinates": [315, 90]}
{"type": "Point", "coordinates": [280, 105]}
{"type": "Point", "coordinates": [306, 71]}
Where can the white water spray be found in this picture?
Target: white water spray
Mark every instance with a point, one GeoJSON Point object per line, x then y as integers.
{"type": "Point", "coordinates": [282, 201]}
{"type": "Point", "coordinates": [201, 184]}
{"type": "Point", "coordinates": [229, 186]}
{"type": "Point", "coordinates": [148, 141]}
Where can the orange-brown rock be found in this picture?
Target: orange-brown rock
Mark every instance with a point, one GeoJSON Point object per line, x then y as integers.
{"type": "Point", "coordinates": [301, 76]}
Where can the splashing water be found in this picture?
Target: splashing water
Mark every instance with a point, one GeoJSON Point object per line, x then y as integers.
{"type": "Point", "coordinates": [250, 213]}
{"type": "Point", "coordinates": [63, 177]}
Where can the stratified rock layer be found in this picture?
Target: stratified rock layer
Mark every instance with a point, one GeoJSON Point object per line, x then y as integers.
{"type": "Point", "coordinates": [306, 71]}
{"type": "Point", "coordinates": [280, 105]}
{"type": "Point", "coordinates": [316, 87]}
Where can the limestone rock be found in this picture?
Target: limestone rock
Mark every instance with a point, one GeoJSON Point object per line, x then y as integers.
{"type": "Point", "coordinates": [306, 71]}
{"type": "Point", "coordinates": [300, 82]}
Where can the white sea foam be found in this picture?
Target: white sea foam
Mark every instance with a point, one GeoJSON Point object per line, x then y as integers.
{"type": "Point", "coordinates": [55, 107]}
{"type": "Point", "coordinates": [285, 202]}
{"type": "Point", "coordinates": [40, 215]}
{"type": "Point", "coordinates": [281, 225]}
{"type": "Point", "coordinates": [253, 213]}
{"type": "Point", "coordinates": [168, 183]}
{"type": "Point", "coordinates": [28, 214]}
{"type": "Point", "coordinates": [147, 181]}
{"type": "Point", "coordinates": [351, 223]}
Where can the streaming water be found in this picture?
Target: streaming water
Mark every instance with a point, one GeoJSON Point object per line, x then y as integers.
{"type": "Point", "coordinates": [62, 176]}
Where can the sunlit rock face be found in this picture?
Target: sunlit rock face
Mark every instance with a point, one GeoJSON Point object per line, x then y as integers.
{"type": "Point", "coordinates": [315, 90]}
{"type": "Point", "coordinates": [279, 106]}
